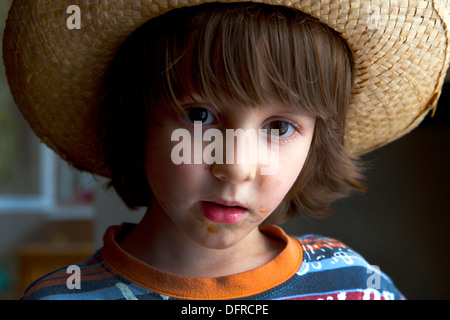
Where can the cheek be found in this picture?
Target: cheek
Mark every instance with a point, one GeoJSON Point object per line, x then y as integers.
{"type": "Point", "coordinates": [273, 191]}
{"type": "Point", "coordinates": [172, 184]}
{"type": "Point", "coordinates": [161, 172]}
{"type": "Point", "coordinates": [275, 187]}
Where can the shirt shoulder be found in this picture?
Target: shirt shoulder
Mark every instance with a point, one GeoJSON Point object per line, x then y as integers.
{"type": "Point", "coordinates": [332, 270]}
{"type": "Point", "coordinates": [89, 280]}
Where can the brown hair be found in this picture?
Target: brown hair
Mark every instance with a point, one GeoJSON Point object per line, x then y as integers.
{"type": "Point", "coordinates": [223, 52]}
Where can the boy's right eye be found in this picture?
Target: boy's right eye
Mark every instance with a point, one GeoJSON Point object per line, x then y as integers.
{"type": "Point", "coordinates": [199, 114]}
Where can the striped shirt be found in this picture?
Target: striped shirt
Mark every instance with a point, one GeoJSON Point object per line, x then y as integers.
{"type": "Point", "coordinates": [310, 267]}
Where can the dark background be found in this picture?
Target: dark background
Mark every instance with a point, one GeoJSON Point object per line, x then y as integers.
{"type": "Point", "coordinates": [401, 223]}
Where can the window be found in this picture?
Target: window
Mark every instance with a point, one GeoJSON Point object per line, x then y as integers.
{"type": "Point", "coordinates": [32, 177]}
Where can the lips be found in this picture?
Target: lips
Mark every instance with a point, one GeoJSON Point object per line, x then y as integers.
{"type": "Point", "coordinates": [223, 211]}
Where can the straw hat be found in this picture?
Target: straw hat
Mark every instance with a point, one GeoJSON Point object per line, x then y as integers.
{"type": "Point", "coordinates": [401, 50]}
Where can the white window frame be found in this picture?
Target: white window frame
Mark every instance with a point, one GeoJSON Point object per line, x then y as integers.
{"type": "Point", "coordinates": [46, 201]}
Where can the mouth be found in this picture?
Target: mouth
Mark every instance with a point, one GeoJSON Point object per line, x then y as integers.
{"type": "Point", "coordinates": [223, 211]}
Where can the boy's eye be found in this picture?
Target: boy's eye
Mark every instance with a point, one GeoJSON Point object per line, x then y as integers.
{"type": "Point", "coordinates": [199, 114]}
{"type": "Point", "coordinates": [284, 128]}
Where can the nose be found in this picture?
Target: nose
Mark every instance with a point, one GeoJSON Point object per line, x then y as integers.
{"type": "Point", "coordinates": [234, 172]}
{"type": "Point", "coordinates": [238, 165]}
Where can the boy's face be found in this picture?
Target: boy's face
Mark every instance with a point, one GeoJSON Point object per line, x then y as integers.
{"type": "Point", "coordinates": [219, 204]}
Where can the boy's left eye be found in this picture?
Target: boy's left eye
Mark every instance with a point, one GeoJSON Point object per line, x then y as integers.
{"type": "Point", "coordinates": [284, 129]}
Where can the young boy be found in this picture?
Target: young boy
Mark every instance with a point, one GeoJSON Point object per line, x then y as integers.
{"type": "Point", "coordinates": [163, 105]}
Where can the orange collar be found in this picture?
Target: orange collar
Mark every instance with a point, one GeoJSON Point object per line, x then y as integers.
{"type": "Point", "coordinates": [248, 283]}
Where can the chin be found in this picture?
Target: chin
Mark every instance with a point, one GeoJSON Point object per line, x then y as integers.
{"type": "Point", "coordinates": [218, 240]}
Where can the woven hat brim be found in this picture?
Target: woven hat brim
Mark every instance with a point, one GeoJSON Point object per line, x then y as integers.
{"type": "Point", "coordinates": [401, 51]}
